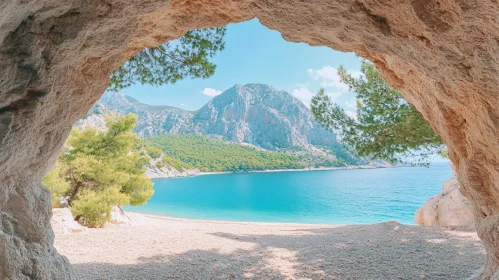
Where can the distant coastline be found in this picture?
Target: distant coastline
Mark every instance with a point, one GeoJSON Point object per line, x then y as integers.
{"type": "Point", "coordinates": [349, 167]}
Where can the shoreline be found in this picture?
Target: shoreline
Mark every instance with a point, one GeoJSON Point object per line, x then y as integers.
{"type": "Point", "coordinates": [349, 167]}
{"type": "Point", "coordinates": [211, 221]}
{"type": "Point", "coordinates": [171, 218]}
{"type": "Point", "coordinates": [155, 247]}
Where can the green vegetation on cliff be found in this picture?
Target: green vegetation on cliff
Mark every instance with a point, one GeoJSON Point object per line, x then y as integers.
{"type": "Point", "coordinates": [209, 155]}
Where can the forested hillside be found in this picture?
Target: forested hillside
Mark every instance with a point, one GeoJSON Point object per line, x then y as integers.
{"type": "Point", "coordinates": [253, 117]}
{"type": "Point", "coordinates": [210, 155]}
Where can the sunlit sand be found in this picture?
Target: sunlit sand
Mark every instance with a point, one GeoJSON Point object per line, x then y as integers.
{"type": "Point", "coordinates": [167, 248]}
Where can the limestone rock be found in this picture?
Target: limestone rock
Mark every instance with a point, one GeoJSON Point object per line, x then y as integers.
{"type": "Point", "coordinates": [255, 114]}
{"type": "Point", "coordinates": [63, 222]}
{"type": "Point", "coordinates": [449, 208]}
{"type": "Point", "coordinates": [119, 217]}
{"type": "Point", "coordinates": [167, 171]}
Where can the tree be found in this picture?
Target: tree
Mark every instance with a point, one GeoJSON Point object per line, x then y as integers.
{"type": "Point", "coordinates": [173, 61]}
{"type": "Point", "coordinates": [385, 127]}
{"type": "Point", "coordinates": [100, 169]}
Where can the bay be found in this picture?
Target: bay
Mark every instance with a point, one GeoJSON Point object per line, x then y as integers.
{"type": "Point", "coordinates": [359, 196]}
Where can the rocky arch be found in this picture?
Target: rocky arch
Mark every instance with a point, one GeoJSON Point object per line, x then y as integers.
{"type": "Point", "coordinates": [56, 57]}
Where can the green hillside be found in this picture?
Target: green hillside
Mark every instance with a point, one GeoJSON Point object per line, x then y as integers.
{"type": "Point", "coordinates": [210, 155]}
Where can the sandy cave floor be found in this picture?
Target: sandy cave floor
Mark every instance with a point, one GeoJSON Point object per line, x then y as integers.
{"type": "Point", "coordinates": [167, 248]}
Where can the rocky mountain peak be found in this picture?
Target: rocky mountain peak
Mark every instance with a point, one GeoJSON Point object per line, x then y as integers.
{"type": "Point", "coordinates": [257, 114]}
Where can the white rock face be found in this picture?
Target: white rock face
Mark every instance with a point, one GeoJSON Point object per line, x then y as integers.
{"type": "Point", "coordinates": [167, 171]}
{"type": "Point", "coordinates": [63, 222]}
{"type": "Point", "coordinates": [256, 114]}
{"type": "Point", "coordinates": [449, 208]}
{"type": "Point", "coordinates": [119, 217]}
{"type": "Point", "coordinates": [96, 121]}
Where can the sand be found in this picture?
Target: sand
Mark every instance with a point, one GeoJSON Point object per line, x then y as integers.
{"type": "Point", "coordinates": [167, 248]}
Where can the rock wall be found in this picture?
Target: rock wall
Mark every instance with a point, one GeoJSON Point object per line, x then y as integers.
{"type": "Point", "coordinates": [449, 208]}
{"type": "Point", "coordinates": [56, 58]}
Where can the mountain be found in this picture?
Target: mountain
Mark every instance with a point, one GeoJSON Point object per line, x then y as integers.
{"type": "Point", "coordinates": [255, 114]}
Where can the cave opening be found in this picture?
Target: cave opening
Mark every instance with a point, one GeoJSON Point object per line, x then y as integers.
{"type": "Point", "coordinates": [58, 60]}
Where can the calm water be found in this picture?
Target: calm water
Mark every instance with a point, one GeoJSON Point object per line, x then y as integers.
{"type": "Point", "coordinates": [334, 197]}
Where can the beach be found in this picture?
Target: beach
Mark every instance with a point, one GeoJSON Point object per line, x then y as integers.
{"type": "Point", "coordinates": [156, 247]}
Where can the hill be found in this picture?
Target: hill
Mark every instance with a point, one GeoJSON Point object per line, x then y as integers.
{"type": "Point", "coordinates": [253, 114]}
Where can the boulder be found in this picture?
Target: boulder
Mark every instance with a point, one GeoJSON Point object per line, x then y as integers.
{"type": "Point", "coordinates": [449, 208]}
{"type": "Point", "coordinates": [63, 222]}
{"type": "Point", "coordinates": [119, 217]}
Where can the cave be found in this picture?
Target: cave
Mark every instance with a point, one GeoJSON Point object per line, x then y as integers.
{"type": "Point", "coordinates": [56, 58]}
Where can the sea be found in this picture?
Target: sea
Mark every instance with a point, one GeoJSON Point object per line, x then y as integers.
{"type": "Point", "coordinates": [357, 196]}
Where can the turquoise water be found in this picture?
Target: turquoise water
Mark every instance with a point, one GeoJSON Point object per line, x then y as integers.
{"type": "Point", "coordinates": [332, 197]}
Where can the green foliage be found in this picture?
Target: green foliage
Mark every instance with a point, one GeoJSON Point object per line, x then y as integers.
{"type": "Point", "coordinates": [153, 152]}
{"type": "Point", "coordinates": [102, 169]}
{"type": "Point", "coordinates": [173, 61]}
{"type": "Point", "coordinates": [444, 153]}
{"type": "Point", "coordinates": [210, 155]}
{"type": "Point", "coordinates": [56, 184]}
{"type": "Point", "coordinates": [386, 126]}
{"type": "Point", "coordinates": [176, 163]}
{"type": "Point", "coordinates": [160, 164]}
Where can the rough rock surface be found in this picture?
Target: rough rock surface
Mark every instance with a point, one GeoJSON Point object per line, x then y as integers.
{"type": "Point", "coordinates": [119, 217]}
{"type": "Point", "coordinates": [56, 58]}
{"type": "Point", "coordinates": [63, 222]}
{"type": "Point", "coordinates": [167, 171]}
{"type": "Point", "coordinates": [256, 114]}
{"type": "Point", "coordinates": [449, 208]}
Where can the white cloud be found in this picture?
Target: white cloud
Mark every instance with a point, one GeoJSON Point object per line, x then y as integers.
{"type": "Point", "coordinates": [211, 92]}
{"type": "Point", "coordinates": [328, 77]}
{"type": "Point", "coordinates": [183, 105]}
{"type": "Point", "coordinates": [351, 114]}
{"type": "Point", "coordinates": [304, 95]}
{"type": "Point", "coordinates": [334, 95]}
{"type": "Point", "coordinates": [356, 74]}
{"type": "Point", "coordinates": [352, 103]}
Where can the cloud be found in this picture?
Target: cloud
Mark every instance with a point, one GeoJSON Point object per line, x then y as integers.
{"type": "Point", "coordinates": [304, 95]}
{"type": "Point", "coordinates": [183, 105]}
{"type": "Point", "coordinates": [334, 95]}
{"type": "Point", "coordinates": [328, 77]}
{"type": "Point", "coordinates": [355, 74]}
{"type": "Point", "coordinates": [351, 114]}
{"type": "Point", "coordinates": [352, 103]}
{"type": "Point", "coordinates": [211, 92]}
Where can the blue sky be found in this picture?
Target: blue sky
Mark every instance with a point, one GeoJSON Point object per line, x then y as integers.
{"type": "Point", "coordinates": [255, 54]}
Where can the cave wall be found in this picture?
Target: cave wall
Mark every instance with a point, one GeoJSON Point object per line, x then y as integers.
{"type": "Point", "coordinates": [56, 58]}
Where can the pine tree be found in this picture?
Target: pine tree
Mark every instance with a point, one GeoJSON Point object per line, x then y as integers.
{"type": "Point", "coordinates": [173, 61]}
{"type": "Point", "coordinates": [99, 169]}
{"type": "Point", "coordinates": [385, 127]}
